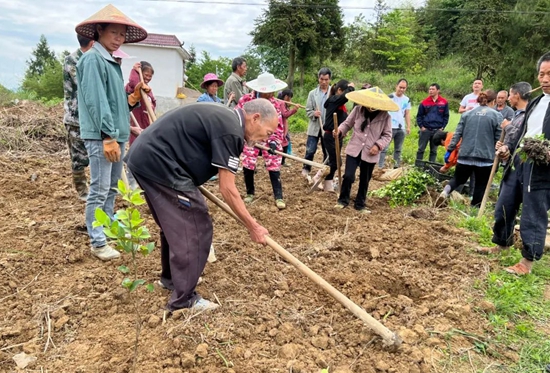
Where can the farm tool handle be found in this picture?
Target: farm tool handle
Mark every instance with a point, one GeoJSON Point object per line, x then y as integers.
{"type": "Point", "coordinates": [337, 146]}
{"type": "Point", "coordinates": [144, 96]}
{"type": "Point", "coordinates": [488, 187]}
{"type": "Point", "coordinates": [291, 103]}
{"type": "Point", "coordinates": [298, 159]}
{"type": "Point", "coordinates": [389, 338]}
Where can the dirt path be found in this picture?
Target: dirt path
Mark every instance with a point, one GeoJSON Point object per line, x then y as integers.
{"type": "Point", "coordinates": [414, 274]}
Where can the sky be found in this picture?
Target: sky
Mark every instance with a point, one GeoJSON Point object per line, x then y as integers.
{"type": "Point", "coordinates": [221, 29]}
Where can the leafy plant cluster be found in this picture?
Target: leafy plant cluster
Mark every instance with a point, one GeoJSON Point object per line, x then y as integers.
{"type": "Point", "coordinates": [407, 189]}
{"type": "Point", "coordinates": [535, 149]}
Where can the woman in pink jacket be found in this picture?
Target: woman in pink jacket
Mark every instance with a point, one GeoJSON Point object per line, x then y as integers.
{"type": "Point", "coordinates": [372, 132]}
{"type": "Point", "coordinates": [286, 112]}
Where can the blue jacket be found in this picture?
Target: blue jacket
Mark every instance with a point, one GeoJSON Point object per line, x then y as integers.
{"type": "Point", "coordinates": [432, 114]}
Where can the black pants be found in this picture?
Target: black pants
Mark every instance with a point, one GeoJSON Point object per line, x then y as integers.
{"type": "Point", "coordinates": [365, 174]}
{"type": "Point", "coordinates": [185, 238]}
{"type": "Point", "coordinates": [311, 149]}
{"type": "Point", "coordinates": [285, 150]}
{"type": "Point", "coordinates": [462, 174]}
{"type": "Point", "coordinates": [534, 217]}
{"type": "Point", "coordinates": [424, 138]}
{"type": "Point", "coordinates": [274, 176]}
{"type": "Point", "coordinates": [507, 206]}
{"type": "Point", "coordinates": [330, 146]}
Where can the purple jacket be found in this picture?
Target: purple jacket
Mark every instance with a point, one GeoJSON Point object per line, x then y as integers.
{"type": "Point", "coordinates": [377, 132]}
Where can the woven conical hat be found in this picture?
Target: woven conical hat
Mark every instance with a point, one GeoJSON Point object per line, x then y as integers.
{"type": "Point", "coordinates": [373, 98]}
{"type": "Point", "coordinates": [110, 14]}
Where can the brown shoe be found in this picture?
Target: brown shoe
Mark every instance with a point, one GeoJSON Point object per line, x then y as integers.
{"type": "Point", "coordinates": [518, 269]}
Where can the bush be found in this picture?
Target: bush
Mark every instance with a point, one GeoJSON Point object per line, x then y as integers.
{"type": "Point", "coordinates": [47, 86]}
{"type": "Point", "coordinates": [407, 189]}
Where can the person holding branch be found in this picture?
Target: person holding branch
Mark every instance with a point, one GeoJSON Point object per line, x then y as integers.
{"type": "Point", "coordinates": [372, 132]}
{"type": "Point", "coordinates": [335, 104]}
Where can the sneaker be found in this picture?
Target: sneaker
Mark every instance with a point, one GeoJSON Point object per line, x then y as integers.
{"type": "Point", "coordinates": [339, 206]}
{"type": "Point", "coordinates": [249, 198]}
{"type": "Point", "coordinates": [281, 205]}
{"type": "Point", "coordinates": [444, 195]}
{"type": "Point", "coordinates": [204, 305]}
{"type": "Point", "coordinates": [105, 253]}
{"type": "Point", "coordinates": [212, 255]}
{"type": "Point", "coordinates": [364, 211]}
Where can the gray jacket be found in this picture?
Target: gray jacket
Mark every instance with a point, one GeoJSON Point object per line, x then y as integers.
{"type": "Point", "coordinates": [314, 102]}
{"type": "Point", "coordinates": [480, 130]}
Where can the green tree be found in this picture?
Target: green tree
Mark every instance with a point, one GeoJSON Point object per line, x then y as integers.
{"type": "Point", "coordinates": [206, 64]}
{"type": "Point", "coordinates": [48, 85]}
{"type": "Point", "coordinates": [300, 28]}
{"type": "Point", "coordinates": [357, 37]}
{"type": "Point", "coordinates": [396, 45]}
{"type": "Point", "coordinates": [41, 57]}
{"type": "Point", "coordinates": [261, 58]}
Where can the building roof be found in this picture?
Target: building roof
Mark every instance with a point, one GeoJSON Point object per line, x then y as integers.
{"type": "Point", "coordinates": [162, 40]}
{"type": "Point", "coordinates": [166, 41]}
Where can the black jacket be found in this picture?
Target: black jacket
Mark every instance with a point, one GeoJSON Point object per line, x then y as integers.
{"type": "Point", "coordinates": [332, 105]}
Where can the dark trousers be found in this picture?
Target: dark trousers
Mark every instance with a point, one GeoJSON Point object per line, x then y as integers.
{"type": "Point", "coordinates": [534, 217]}
{"type": "Point", "coordinates": [274, 176]}
{"type": "Point", "coordinates": [185, 238]}
{"type": "Point", "coordinates": [285, 150]}
{"type": "Point", "coordinates": [463, 172]}
{"type": "Point", "coordinates": [311, 149]}
{"type": "Point", "coordinates": [424, 138]}
{"type": "Point", "coordinates": [365, 174]}
{"type": "Point", "coordinates": [330, 146]}
{"type": "Point", "coordinates": [507, 206]}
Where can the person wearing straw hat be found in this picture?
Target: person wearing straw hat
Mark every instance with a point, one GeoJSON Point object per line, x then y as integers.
{"type": "Point", "coordinates": [264, 87]}
{"type": "Point", "coordinates": [372, 132]}
{"type": "Point", "coordinates": [77, 149]}
{"type": "Point", "coordinates": [104, 114]}
{"type": "Point", "coordinates": [210, 84]}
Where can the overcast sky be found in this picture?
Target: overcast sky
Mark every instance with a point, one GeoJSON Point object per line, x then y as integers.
{"type": "Point", "coordinates": [220, 29]}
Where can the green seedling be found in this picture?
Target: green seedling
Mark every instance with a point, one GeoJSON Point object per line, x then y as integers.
{"type": "Point", "coordinates": [407, 189]}
{"type": "Point", "coordinates": [131, 237]}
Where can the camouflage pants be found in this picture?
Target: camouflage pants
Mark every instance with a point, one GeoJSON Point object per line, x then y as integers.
{"type": "Point", "coordinates": [77, 150]}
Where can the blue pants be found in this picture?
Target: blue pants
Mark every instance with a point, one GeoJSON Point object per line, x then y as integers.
{"type": "Point", "coordinates": [104, 176]}
{"type": "Point", "coordinates": [311, 149]}
{"type": "Point", "coordinates": [398, 138]}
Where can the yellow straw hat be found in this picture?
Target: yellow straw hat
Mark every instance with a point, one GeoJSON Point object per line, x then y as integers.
{"type": "Point", "coordinates": [110, 14]}
{"type": "Point", "coordinates": [373, 98]}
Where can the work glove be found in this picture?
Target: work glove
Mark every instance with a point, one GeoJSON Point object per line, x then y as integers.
{"type": "Point", "coordinates": [447, 156]}
{"type": "Point", "coordinates": [272, 147]}
{"type": "Point", "coordinates": [111, 150]}
{"type": "Point", "coordinates": [135, 97]}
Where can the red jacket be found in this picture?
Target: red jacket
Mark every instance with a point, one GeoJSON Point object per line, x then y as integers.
{"type": "Point", "coordinates": [140, 112]}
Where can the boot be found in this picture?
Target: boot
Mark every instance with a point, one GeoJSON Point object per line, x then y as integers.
{"type": "Point", "coordinates": [212, 255]}
{"type": "Point", "coordinates": [328, 186]}
{"type": "Point", "coordinates": [81, 184]}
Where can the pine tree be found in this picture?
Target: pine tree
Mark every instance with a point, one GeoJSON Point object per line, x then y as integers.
{"type": "Point", "coordinates": [41, 57]}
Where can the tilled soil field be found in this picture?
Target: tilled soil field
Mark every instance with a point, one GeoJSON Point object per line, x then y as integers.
{"type": "Point", "coordinates": [408, 267]}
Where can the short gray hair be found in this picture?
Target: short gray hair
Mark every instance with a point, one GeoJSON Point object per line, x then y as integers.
{"type": "Point", "coordinates": [522, 89]}
{"type": "Point", "coordinates": [261, 106]}
{"type": "Point", "coordinates": [544, 58]}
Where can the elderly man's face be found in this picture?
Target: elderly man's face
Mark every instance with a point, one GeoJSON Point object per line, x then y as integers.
{"type": "Point", "coordinates": [259, 129]}
{"type": "Point", "coordinates": [501, 98]}
{"type": "Point", "coordinates": [324, 81]}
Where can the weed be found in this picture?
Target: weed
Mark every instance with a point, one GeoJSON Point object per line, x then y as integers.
{"type": "Point", "coordinates": [407, 189]}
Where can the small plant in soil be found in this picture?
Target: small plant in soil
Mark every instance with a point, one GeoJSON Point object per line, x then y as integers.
{"type": "Point", "coordinates": [407, 189]}
{"type": "Point", "coordinates": [131, 237]}
{"type": "Point", "coordinates": [535, 149]}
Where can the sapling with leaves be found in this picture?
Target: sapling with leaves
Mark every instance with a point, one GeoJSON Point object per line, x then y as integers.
{"type": "Point", "coordinates": [131, 237]}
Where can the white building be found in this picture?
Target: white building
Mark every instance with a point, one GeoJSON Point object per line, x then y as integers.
{"type": "Point", "coordinates": [167, 56]}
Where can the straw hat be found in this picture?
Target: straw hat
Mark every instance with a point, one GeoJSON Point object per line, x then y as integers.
{"type": "Point", "coordinates": [110, 14]}
{"type": "Point", "coordinates": [210, 77]}
{"type": "Point", "coordinates": [373, 98]}
{"type": "Point", "coordinates": [266, 83]}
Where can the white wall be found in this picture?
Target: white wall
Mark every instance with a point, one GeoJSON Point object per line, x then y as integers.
{"type": "Point", "coordinates": [167, 63]}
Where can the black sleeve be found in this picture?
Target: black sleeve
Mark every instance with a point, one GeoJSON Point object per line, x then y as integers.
{"type": "Point", "coordinates": [226, 151]}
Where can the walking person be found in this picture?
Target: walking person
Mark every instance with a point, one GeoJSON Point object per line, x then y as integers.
{"type": "Point", "coordinates": [371, 125]}
{"type": "Point", "coordinates": [511, 188]}
{"type": "Point", "coordinates": [235, 86]}
{"type": "Point", "coordinates": [479, 130]}
{"type": "Point", "coordinates": [315, 109]}
{"type": "Point", "coordinates": [182, 151]}
{"type": "Point", "coordinates": [400, 123]}
{"type": "Point", "coordinates": [77, 149]}
{"type": "Point", "coordinates": [104, 113]}
{"type": "Point", "coordinates": [536, 177]}
{"type": "Point", "coordinates": [286, 112]}
{"type": "Point", "coordinates": [432, 116]}
{"type": "Point", "coordinates": [265, 87]}
{"type": "Point", "coordinates": [335, 104]}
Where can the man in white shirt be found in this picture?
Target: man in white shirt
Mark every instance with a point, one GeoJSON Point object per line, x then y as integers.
{"type": "Point", "coordinates": [469, 101]}
{"type": "Point", "coordinates": [400, 123]}
{"type": "Point", "coordinates": [536, 178]}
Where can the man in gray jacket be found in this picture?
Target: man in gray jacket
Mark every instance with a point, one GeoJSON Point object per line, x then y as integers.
{"type": "Point", "coordinates": [315, 110]}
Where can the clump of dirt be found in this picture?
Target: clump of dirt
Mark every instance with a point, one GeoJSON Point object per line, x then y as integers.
{"type": "Point", "coordinates": [423, 213]}
{"type": "Point", "coordinates": [414, 275]}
